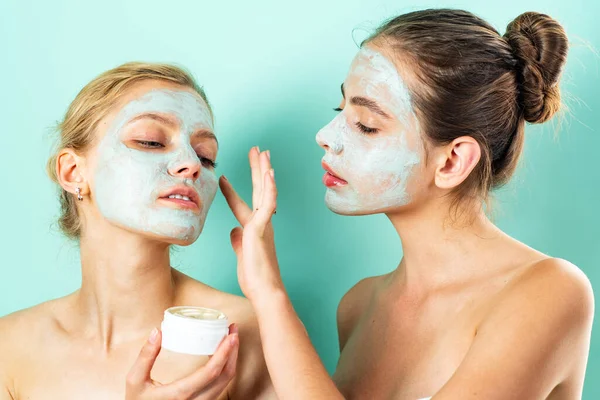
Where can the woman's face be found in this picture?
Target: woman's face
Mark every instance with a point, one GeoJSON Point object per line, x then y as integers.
{"type": "Point", "coordinates": [153, 167]}
{"type": "Point", "coordinates": [373, 146]}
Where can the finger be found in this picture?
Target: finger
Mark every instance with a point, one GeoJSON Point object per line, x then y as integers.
{"type": "Point", "coordinates": [218, 385]}
{"type": "Point", "coordinates": [253, 157]}
{"type": "Point", "coordinates": [201, 378]}
{"type": "Point", "coordinates": [265, 165]}
{"type": "Point", "coordinates": [233, 328]}
{"type": "Point", "coordinates": [230, 366]}
{"type": "Point", "coordinates": [236, 240]}
{"type": "Point", "coordinates": [140, 371]}
{"type": "Point", "coordinates": [267, 161]}
{"type": "Point", "coordinates": [240, 209]}
{"type": "Point", "coordinates": [268, 202]}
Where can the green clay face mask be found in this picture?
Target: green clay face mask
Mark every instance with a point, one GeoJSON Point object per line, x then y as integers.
{"type": "Point", "coordinates": [129, 181]}
{"type": "Point", "coordinates": [376, 167]}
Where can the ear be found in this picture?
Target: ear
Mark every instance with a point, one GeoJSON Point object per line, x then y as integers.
{"type": "Point", "coordinates": [70, 172]}
{"type": "Point", "coordinates": [456, 161]}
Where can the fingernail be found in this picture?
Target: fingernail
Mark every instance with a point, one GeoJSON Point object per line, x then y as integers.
{"type": "Point", "coordinates": [272, 172]}
{"type": "Point", "coordinates": [153, 336]}
{"type": "Point", "coordinates": [269, 154]}
{"type": "Point", "coordinates": [258, 149]}
{"type": "Point", "coordinates": [225, 178]}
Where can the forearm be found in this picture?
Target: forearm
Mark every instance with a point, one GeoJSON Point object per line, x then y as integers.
{"type": "Point", "coordinates": [294, 365]}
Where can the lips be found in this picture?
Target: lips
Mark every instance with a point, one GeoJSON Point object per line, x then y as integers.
{"type": "Point", "coordinates": [182, 194]}
{"type": "Point", "coordinates": [331, 179]}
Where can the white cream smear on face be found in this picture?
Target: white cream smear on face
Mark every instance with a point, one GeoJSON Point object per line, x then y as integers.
{"type": "Point", "coordinates": [377, 167]}
{"type": "Point", "coordinates": [128, 182]}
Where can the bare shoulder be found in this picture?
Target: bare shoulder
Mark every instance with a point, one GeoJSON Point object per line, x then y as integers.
{"type": "Point", "coordinates": [21, 326]}
{"type": "Point", "coordinates": [252, 377]}
{"type": "Point", "coordinates": [542, 317]}
{"type": "Point", "coordinates": [20, 333]}
{"type": "Point", "coordinates": [553, 291]}
{"type": "Point", "coordinates": [353, 304]}
{"type": "Point", "coordinates": [11, 328]}
{"type": "Point", "coordinates": [353, 301]}
{"type": "Point", "coordinates": [555, 281]}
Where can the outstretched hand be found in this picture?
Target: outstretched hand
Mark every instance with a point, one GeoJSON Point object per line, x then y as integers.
{"type": "Point", "coordinates": [253, 241]}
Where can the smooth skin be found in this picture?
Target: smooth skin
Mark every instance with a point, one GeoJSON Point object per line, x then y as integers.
{"type": "Point", "coordinates": [87, 345]}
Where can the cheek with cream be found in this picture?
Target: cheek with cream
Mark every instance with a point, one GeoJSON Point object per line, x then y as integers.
{"type": "Point", "coordinates": [378, 166]}
{"type": "Point", "coordinates": [128, 181]}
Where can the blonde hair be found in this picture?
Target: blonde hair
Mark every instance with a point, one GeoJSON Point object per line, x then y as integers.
{"type": "Point", "coordinates": [94, 102]}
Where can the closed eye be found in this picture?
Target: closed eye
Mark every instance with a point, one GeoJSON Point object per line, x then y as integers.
{"type": "Point", "coordinates": [150, 144]}
{"type": "Point", "coordinates": [365, 129]}
{"type": "Point", "coordinates": [207, 162]}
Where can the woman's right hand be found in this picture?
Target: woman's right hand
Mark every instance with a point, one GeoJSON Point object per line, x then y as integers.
{"type": "Point", "coordinates": [206, 383]}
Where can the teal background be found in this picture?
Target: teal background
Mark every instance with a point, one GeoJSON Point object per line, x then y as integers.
{"type": "Point", "coordinates": [272, 71]}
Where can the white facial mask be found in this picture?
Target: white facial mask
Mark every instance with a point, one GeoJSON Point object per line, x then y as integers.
{"type": "Point", "coordinates": [128, 182]}
{"type": "Point", "coordinates": [376, 167]}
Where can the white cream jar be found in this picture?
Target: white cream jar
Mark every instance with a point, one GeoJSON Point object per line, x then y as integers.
{"type": "Point", "coordinates": [193, 330]}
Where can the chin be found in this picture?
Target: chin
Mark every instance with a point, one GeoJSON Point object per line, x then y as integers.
{"type": "Point", "coordinates": [181, 240]}
{"type": "Point", "coordinates": [180, 236]}
{"type": "Point", "coordinates": [353, 210]}
{"type": "Point", "coordinates": [183, 237]}
{"type": "Point", "coordinates": [347, 210]}
{"type": "Point", "coordinates": [177, 242]}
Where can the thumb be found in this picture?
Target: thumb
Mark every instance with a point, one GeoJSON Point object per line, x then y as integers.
{"type": "Point", "coordinates": [140, 371]}
{"type": "Point", "coordinates": [236, 240]}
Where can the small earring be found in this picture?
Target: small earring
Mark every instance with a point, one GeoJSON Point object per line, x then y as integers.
{"type": "Point", "coordinates": [79, 196]}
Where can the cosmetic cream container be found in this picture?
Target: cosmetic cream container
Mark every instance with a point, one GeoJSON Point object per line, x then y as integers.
{"type": "Point", "coordinates": [193, 330]}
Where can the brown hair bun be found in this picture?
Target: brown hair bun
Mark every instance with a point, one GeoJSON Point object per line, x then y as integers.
{"type": "Point", "coordinates": [540, 45]}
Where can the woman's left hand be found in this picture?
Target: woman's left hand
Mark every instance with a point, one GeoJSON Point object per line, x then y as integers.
{"type": "Point", "coordinates": [253, 242]}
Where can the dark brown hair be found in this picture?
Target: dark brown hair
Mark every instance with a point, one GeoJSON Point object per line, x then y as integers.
{"type": "Point", "coordinates": [471, 81]}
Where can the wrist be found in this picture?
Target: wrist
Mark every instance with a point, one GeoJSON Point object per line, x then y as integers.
{"type": "Point", "coordinates": [270, 301]}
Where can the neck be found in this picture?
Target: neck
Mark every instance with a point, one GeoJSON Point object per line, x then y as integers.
{"type": "Point", "coordinates": [440, 250]}
{"type": "Point", "coordinates": [127, 283]}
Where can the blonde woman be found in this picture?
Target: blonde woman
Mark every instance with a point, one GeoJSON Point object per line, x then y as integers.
{"type": "Point", "coordinates": [136, 168]}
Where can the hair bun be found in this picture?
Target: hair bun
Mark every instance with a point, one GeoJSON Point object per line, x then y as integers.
{"type": "Point", "coordinates": [540, 46]}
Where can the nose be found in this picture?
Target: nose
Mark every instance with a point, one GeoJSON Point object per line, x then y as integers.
{"type": "Point", "coordinates": [189, 171]}
{"type": "Point", "coordinates": [321, 140]}
{"type": "Point", "coordinates": [186, 166]}
{"type": "Point", "coordinates": [329, 139]}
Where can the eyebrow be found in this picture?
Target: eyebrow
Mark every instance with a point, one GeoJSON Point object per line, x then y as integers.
{"type": "Point", "coordinates": [364, 102]}
{"type": "Point", "coordinates": [203, 133]}
{"type": "Point", "coordinates": [206, 134]}
{"type": "Point", "coordinates": [157, 117]}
